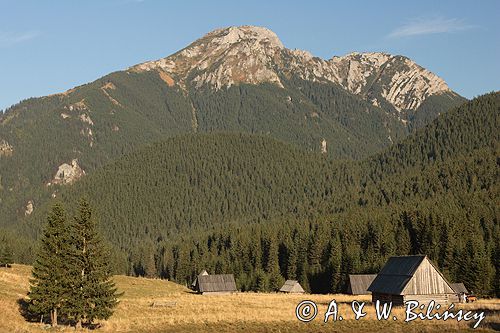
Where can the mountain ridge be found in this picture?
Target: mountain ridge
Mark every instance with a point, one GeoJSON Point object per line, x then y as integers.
{"type": "Point", "coordinates": [249, 54]}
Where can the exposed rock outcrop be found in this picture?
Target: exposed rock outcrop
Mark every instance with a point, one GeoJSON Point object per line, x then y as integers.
{"type": "Point", "coordinates": [110, 86]}
{"type": "Point", "coordinates": [323, 146]}
{"type": "Point", "coordinates": [30, 206]}
{"type": "Point", "coordinates": [5, 148]}
{"type": "Point", "coordinates": [78, 106]}
{"type": "Point", "coordinates": [68, 173]}
{"type": "Point", "coordinates": [86, 119]}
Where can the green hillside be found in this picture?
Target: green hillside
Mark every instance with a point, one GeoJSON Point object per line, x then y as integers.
{"type": "Point", "coordinates": [209, 200]}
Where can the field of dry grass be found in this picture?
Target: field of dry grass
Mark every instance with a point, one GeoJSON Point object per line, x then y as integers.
{"type": "Point", "coordinates": [243, 312]}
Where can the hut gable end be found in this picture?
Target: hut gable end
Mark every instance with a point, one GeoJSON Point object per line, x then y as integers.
{"type": "Point", "coordinates": [427, 280]}
{"type": "Point", "coordinates": [292, 286]}
{"type": "Point", "coordinates": [359, 283]}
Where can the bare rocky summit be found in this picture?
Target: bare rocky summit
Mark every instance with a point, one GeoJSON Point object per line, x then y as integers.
{"type": "Point", "coordinates": [254, 55]}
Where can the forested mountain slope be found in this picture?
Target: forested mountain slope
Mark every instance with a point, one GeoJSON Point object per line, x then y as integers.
{"type": "Point", "coordinates": [201, 200]}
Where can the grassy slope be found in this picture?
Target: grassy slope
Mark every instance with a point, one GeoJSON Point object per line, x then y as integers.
{"type": "Point", "coordinates": [248, 312]}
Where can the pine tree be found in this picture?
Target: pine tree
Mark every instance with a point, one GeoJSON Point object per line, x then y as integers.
{"type": "Point", "coordinates": [261, 281]}
{"type": "Point", "coordinates": [50, 288]}
{"type": "Point", "coordinates": [271, 255]}
{"type": "Point", "coordinates": [275, 280]}
{"type": "Point", "coordinates": [5, 255]}
{"type": "Point", "coordinates": [149, 265]}
{"type": "Point", "coordinates": [94, 292]}
{"type": "Point", "coordinates": [291, 261]}
{"type": "Point", "coordinates": [403, 245]}
{"type": "Point", "coordinates": [335, 263]}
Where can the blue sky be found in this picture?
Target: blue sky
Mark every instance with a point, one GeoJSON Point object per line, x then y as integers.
{"type": "Point", "coordinates": [51, 46]}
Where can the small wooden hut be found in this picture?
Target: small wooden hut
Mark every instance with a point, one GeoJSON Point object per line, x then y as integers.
{"type": "Point", "coordinates": [193, 285]}
{"type": "Point", "coordinates": [216, 284]}
{"type": "Point", "coordinates": [359, 283]}
{"type": "Point", "coordinates": [460, 291]}
{"type": "Point", "coordinates": [292, 287]}
{"type": "Point", "coordinates": [459, 288]}
{"type": "Point", "coordinates": [408, 278]}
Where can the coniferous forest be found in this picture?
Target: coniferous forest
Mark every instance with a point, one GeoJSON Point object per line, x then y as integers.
{"type": "Point", "coordinates": [266, 210]}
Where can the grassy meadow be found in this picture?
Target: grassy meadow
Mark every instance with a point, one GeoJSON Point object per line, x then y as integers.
{"type": "Point", "coordinates": [242, 312]}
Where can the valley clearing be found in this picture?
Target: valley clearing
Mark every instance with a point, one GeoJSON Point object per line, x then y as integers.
{"type": "Point", "coordinates": [177, 309]}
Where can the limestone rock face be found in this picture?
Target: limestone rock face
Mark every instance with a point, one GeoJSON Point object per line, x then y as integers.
{"type": "Point", "coordinates": [29, 208]}
{"type": "Point", "coordinates": [68, 173]}
{"type": "Point", "coordinates": [224, 57]}
{"type": "Point", "coordinates": [86, 119]}
{"type": "Point", "coordinates": [397, 79]}
{"type": "Point", "coordinates": [5, 148]}
{"type": "Point", "coordinates": [323, 146]}
{"type": "Point", "coordinates": [254, 55]}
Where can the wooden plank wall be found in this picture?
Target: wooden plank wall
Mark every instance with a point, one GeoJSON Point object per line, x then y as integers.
{"type": "Point", "coordinates": [396, 300]}
{"type": "Point", "coordinates": [426, 281]}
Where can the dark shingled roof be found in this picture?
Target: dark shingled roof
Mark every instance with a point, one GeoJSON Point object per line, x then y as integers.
{"type": "Point", "coordinates": [359, 283]}
{"type": "Point", "coordinates": [396, 273]}
{"type": "Point", "coordinates": [216, 283]}
{"type": "Point", "coordinates": [459, 288]}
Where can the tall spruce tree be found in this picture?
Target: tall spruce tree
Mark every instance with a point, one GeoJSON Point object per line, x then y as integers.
{"type": "Point", "coordinates": [50, 286]}
{"type": "Point", "coordinates": [5, 254]}
{"type": "Point", "coordinates": [94, 293]}
{"type": "Point", "coordinates": [335, 263]}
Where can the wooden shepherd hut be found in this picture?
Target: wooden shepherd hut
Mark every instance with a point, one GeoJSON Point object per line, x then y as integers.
{"type": "Point", "coordinates": [459, 288]}
{"type": "Point", "coordinates": [292, 287]}
{"type": "Point", "coordinates": [408, 278]}
{"type": "Point", "coordinates": [216, 284]}
{"type": "Point", "coordinates": [193, 285]}
{"type": "Point", "coordinates": [359, 283]}
{"type": "Point", "coordinates": [460, 291]}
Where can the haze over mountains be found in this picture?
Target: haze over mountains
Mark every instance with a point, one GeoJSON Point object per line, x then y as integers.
{"type": "Point", "coordinates": [236, 129]}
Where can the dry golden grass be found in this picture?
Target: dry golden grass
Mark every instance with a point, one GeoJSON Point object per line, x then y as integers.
{"type": "Point", "coordinates": [243, 312]}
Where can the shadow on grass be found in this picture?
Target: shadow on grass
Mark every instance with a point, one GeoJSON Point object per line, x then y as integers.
{"type": "Point", "coordinates": [35, 318]}
{"type": "Point", "coordinates": [27, 315]}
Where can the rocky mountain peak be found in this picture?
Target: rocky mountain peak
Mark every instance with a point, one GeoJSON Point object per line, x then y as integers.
{"type": "Point", "coordinates": [222, 58]}
{"type": "Point", "coordinates": [253, 55]}
{"type": "Point", "coordinates": [244, 34]}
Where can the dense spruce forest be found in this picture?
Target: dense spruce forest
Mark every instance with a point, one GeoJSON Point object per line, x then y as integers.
{"type": "Point", "coordinates": [268, 211]}
{"type": "Point", "coordinates": [99, 122]}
